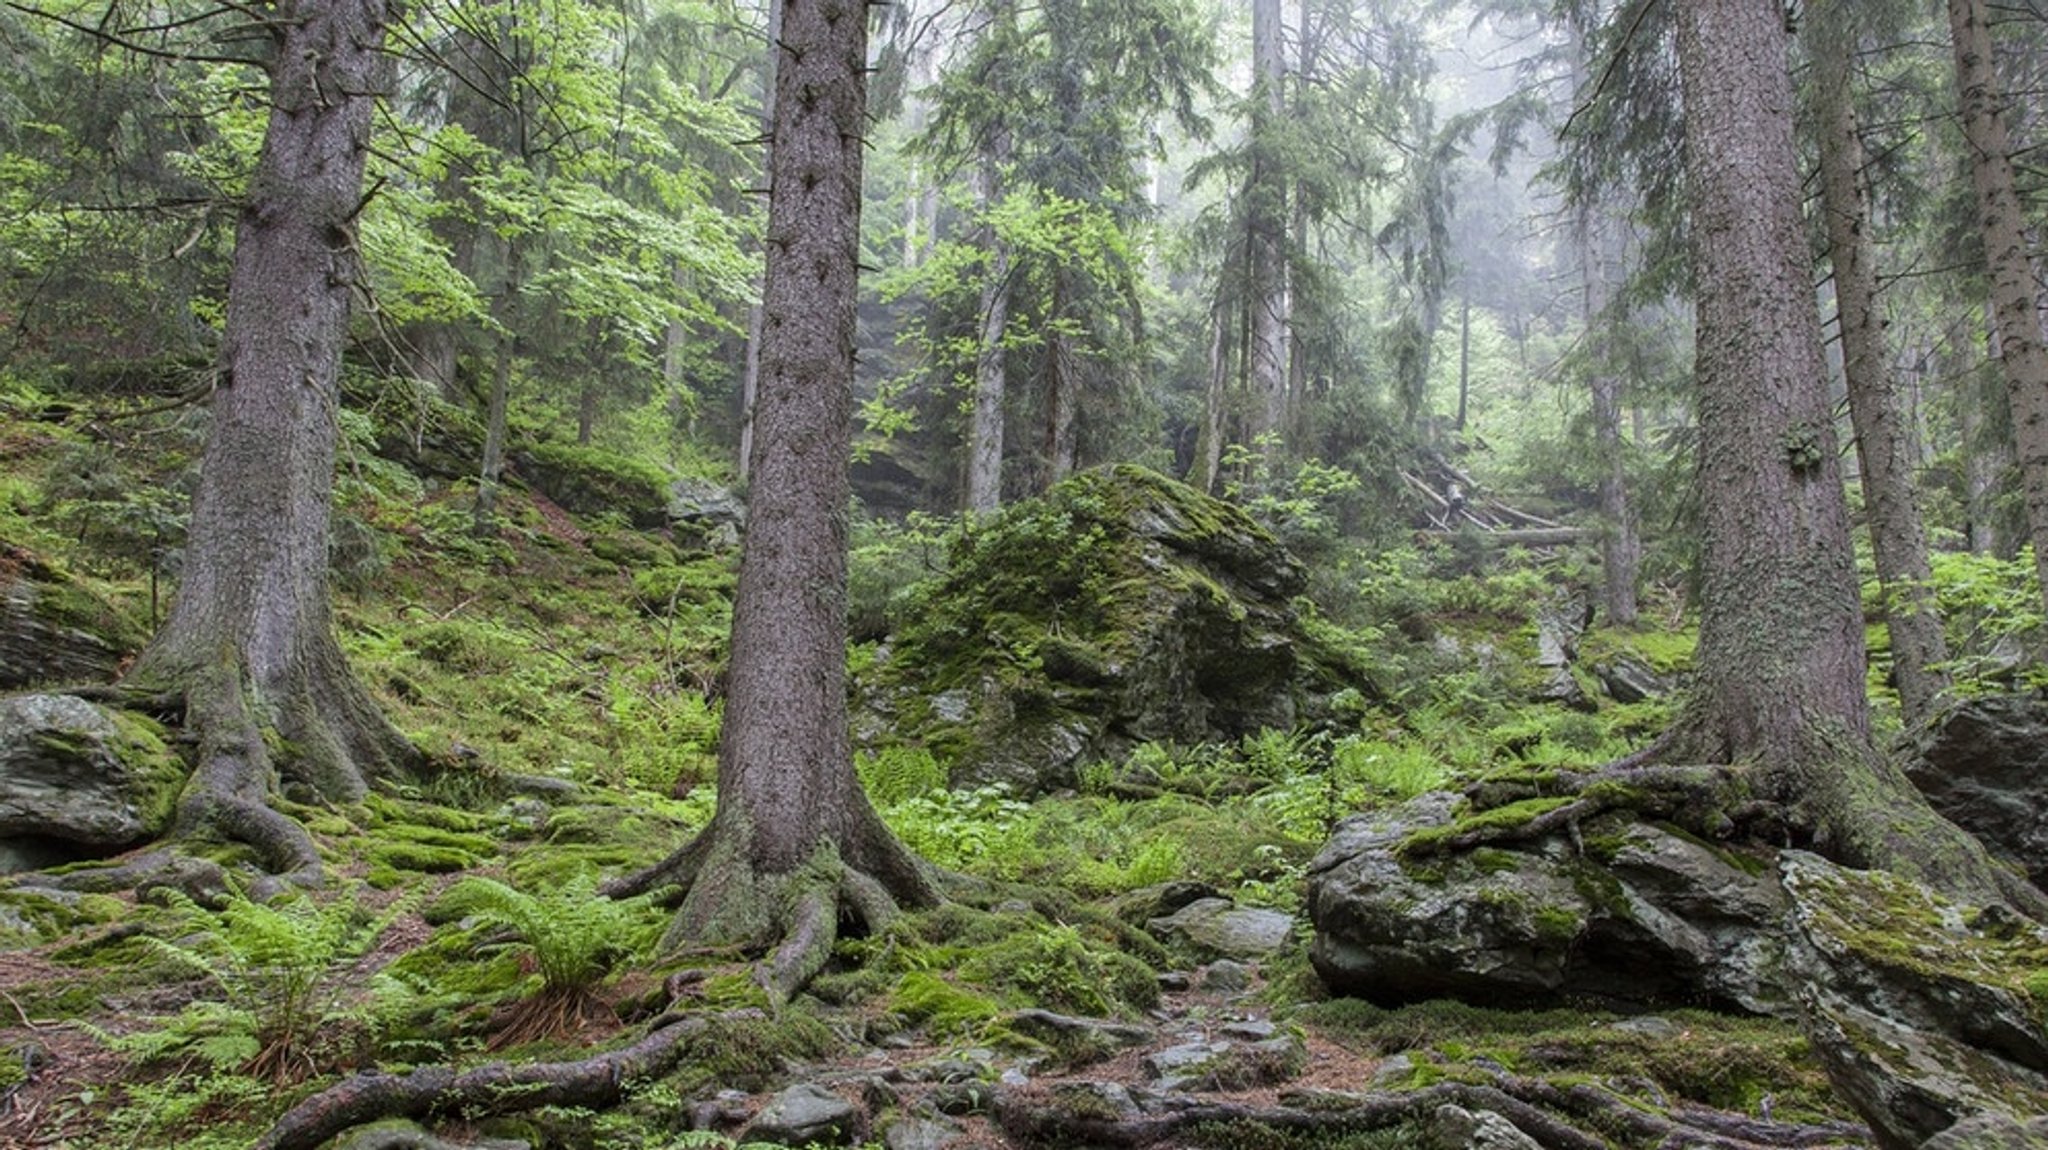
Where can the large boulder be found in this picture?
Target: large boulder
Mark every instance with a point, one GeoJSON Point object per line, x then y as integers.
{"type": "Point", "coordinates": [1984, 765]}
{"type": "Point", "coordinates": [1612, 908]}
{"type": "Point", "coordinates": [1927, 1015]}
{"type": "Point", "coordinates": [89, 780]}
{"type": "Point", "coordinates": [1121, 608]}
{"type": "Point", "coordinates": [53, 629]}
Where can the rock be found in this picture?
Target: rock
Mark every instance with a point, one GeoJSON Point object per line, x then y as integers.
{"type": "Point", "coordinates": [805, 1114]}
{"type": "Point", "coordinates": [1651, 1026]}
{"type": "Point", "coordinates": [1991, 1132]}
{"type": "Point", "coordinates": [1121, 608]}
{"type": "Point", "coordinates": [399, 1134]}
{"type": "Point", "coordinates": [1922, 1022]}
{"type": "Point", "coordinates": [1558, 629]}
{"type": "Point", "coordinates": [73, 773]}
{"type": "Point", "coordinates": [1630, 680]}
{"type": "Point", "coordinates": [918, 1133]}
{"type": "Point", "coordinates": [1080, 1040]}
{"type": "Point", "coordinates": [1393, 1072]}
{"type": "Point", "coordinates": [1215, 927]}
{"type": "Point", "coordinates": [53, 629]}
{"type": "Point", "coordinates": [1141, 906]}
{"type": "Point", "coordinates": [1615, 910]}
{"type": "Point", "coordinates": [1983, 764]}
{"type": "Point", "coordinates": [713, 515]}
{"type": "Point", "coordinates": [1455, 1128]}
{"type": "Point", "coordinates": [1226, 976]}
{"type": "Point", "coordinates": [1226, 1064]}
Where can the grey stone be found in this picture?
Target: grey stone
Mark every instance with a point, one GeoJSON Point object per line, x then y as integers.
{"type": "Point", "coordinates": [1226, 976]}
{"type": "Point", "coordinates": [1068, 1030]}
{"type": "Point", "coordinates": [69, 773]}
{"type": "Point", "coordinates": [52, 630]}
{"type": "Point", "coordinates": [1984, 765]}
{"type": "Point", "coordinates": [1650, 1026]}
{"type": "Point", "coordinates": [1630, 680]}
{"type": "Point", "coordinates": [1455, 1128]}
{"type": "Point", "coordinates": [916, 1133]}
{"type": "Point", "coordinates": [1215, 927]}
{"type": "Point", "coordinates": [703, 505]}
{"type": "Point", "coordinates": [1225, 1064]}
{"type": "Point", "coordinates": [1921, 1042]}
{"type": "Point", "coordinates": [1992, 1132]}
{"type": "Point", "coordinates": [804, 1114]}
{"type": "Point", "coordinates": [1665, 920]}
{"type": "Point", "coordinates": [399, 1134]}
{"type": "Point", "coordinates": [1394, 1072]}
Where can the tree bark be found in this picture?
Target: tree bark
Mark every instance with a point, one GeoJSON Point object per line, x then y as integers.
{"type": "Point", "coordinates": [2008, 265]}
{"type": "Point", "coordinates": [1621, 547]}
{"type": "Point", "coordinates": [794, 836]}
{"type": "Point", "coordinates": [1898, 535]}
{"type": "Point", "coordinates": [250, 642]}
{"type": "Point", "coordinates": [1781, 641]}
{"type": "Point", "coordinates": [985, 452]}
{"type": "Point", "coordinates": [1265, 227]}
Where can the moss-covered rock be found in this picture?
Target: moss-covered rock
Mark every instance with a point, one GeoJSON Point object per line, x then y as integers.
{"type": "Point", "coordinates": [1121, 608]}
{"type": "Point", "coordinates": [592, 481]}
{"type": "Point", "coordinates": [54, 628]}
{"type": "Point", "coordinates": [93, 779]}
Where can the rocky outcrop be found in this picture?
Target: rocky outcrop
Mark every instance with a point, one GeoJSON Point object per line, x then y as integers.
{"type": "Point", "coordinates": [1121, 608]}
{"type": "Point", "coordinates": [707, 514]}
{"type": "Point", "coordinates": [1984, 765]}
{"type": "Point", "coordinates": [1608, 908]}
{"type": "Point", "coordinates": [53, 630]}
{"type": "Point", "coordinates": [76, 778]}
{"type": "Point", "coordinates": [1925, 1014]}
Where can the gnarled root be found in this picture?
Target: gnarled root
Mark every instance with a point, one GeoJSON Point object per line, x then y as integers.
{"type": "Point", "coordinates": [496, 1088]}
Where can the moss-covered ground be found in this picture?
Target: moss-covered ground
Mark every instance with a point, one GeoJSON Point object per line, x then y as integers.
{"type": "Point", "coordinates": [564, 675]}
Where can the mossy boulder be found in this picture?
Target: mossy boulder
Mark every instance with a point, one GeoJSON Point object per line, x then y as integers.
{"type": "Point", "coordinates": [1983, 764]}
{"type": "Point", "coordinates": [1438, 899]}
{"type": "Point", "coordinates": [591, 481]}
{"type": "Point", "coordinates": [1927, 1014]}
{"type": "Point", "coordinates": [1121, 608]}
{"type": "Point", "coordinates": [55, 629]}
{"type": "Point", "coordinates": [81, 779]}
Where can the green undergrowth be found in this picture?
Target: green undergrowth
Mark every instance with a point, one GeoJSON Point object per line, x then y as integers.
{"type": "Point", "coordinates": [1722, 1061]}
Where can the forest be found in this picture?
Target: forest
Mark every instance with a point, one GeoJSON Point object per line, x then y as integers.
{"type": "Point", "coordinates": [980, 575]}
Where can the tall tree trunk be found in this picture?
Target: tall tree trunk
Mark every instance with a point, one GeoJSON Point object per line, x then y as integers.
{"type": "Point", "coordinates": [1266, 225]}
{"type": "Point", "coordinates": [1898, 535]}
{"type": "Point", "coordinates": [985, 453]}
{"type": "Point", "coordinates": [1208, 461]}
{"type": "Point", "coordinates": [250, 641]}
{"type": "Point", "coordinates": [1464, 359]}
{"type": "Point", "coordinates": [750, 372]}
{"type": "Point", "coordinates": [1781, 651]}
{"type": "Point", "coordinates": [2007, 263]}
{"type": "Point", "coordinates": [1062, 390]}
{"type": "Point", "coordinates": [1621, 548]}
{"type": "Point", "coordinates": [794, 837]}
{"type": "Point", "coordinates": [497, 411]}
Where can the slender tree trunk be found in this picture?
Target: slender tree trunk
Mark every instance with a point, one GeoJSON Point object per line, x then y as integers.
{"type": "Point", "coordinates": [1898, 535]}
{"type": "Point", "coordinates": [250, 643]}
{"type": "Point", "coordinates": [1266, 223]}
{"type": "Point", "coordinates": [1062, 392]}
{"type": "Point", "coordinates": [2008, 264]}
{"type": "Point", "coordinates": [1208, 461]}
{"type": "Point", "coordinates": [1464, 359]}
{"type": "Point", "coordinates": [750, 373]}
{"type": "Point", "coordinates": [1781, 634]}
{"type": "Point", "coordinates": [794, 837]}
{"type": "Point", "coordinates": [991, 381]}
{"type": "Point", "coordinates": [497, 412]}
{"type": "Point", "coordinates": [1621, 549]}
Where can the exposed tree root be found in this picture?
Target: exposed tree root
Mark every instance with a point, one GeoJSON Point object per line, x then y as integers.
{"type": "Point", "coordinates": [1578, 1118]}
{"type": "Point", "coordinates": [496, 1088]}
{"type": "Point", "coordinates": [548, 1014]}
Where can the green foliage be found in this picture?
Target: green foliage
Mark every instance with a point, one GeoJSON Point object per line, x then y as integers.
{"type": "Point", "coordinates": [573, 935]}
{"type": "Point", "coordinates": [983, 830]}
{"type": "Point", "coordinates": [894, 775]}
{"type": "Point", "coordinates": [283, 1007]}
{"type": "Point", "coordinates": [1992, 609]}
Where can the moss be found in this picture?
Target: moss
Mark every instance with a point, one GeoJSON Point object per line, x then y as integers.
{"type": "Point", "coordinates": [1509, 817]}
{"type": "Point", "coordinates": [423, 858]}
{"type": "Point", "coordinates": [942, 1008]}
{"type": "Point", "coordinates": [156, 773]}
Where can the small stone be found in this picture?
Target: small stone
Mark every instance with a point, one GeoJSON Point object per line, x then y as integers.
{"type": "Point", "coordinates": [1455, 1128]}
{"type": "Point", "coordinates": [1175, 981]}
{"type": "Point", "coordinates": [918, 1134]}
{"type": "Point", "coordinates": [1251, 1029]}
{"type": "Point", "coordinates": [1213, 926]}
{"type": "Point", "coordinates": [1227, 976]}
{"type": "Point", "coordinates": [1651, 1026]}
{"type": "Point", "coordinates": [804, 1114]}
{"type": "Point", "coordinates": [1393, 1072]}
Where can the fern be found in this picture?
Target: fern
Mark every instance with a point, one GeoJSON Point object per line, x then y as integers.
{"type": "Point", "coordinates": [573, 934]}
{"type": "Point", "coordinates": [274, 968]}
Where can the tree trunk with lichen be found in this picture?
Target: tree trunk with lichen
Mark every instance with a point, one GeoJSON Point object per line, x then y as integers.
{"type": "Point", "coordinates": [1898, 536]}
{"type": "Point", "coordinates": [794, 838]}
{"type": "Point", "coordinates": [2022, 350]}
{"type": "Point", "coordinates": [249, 644]}
{"type": "Point", "coordinates": [1781, 652]}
